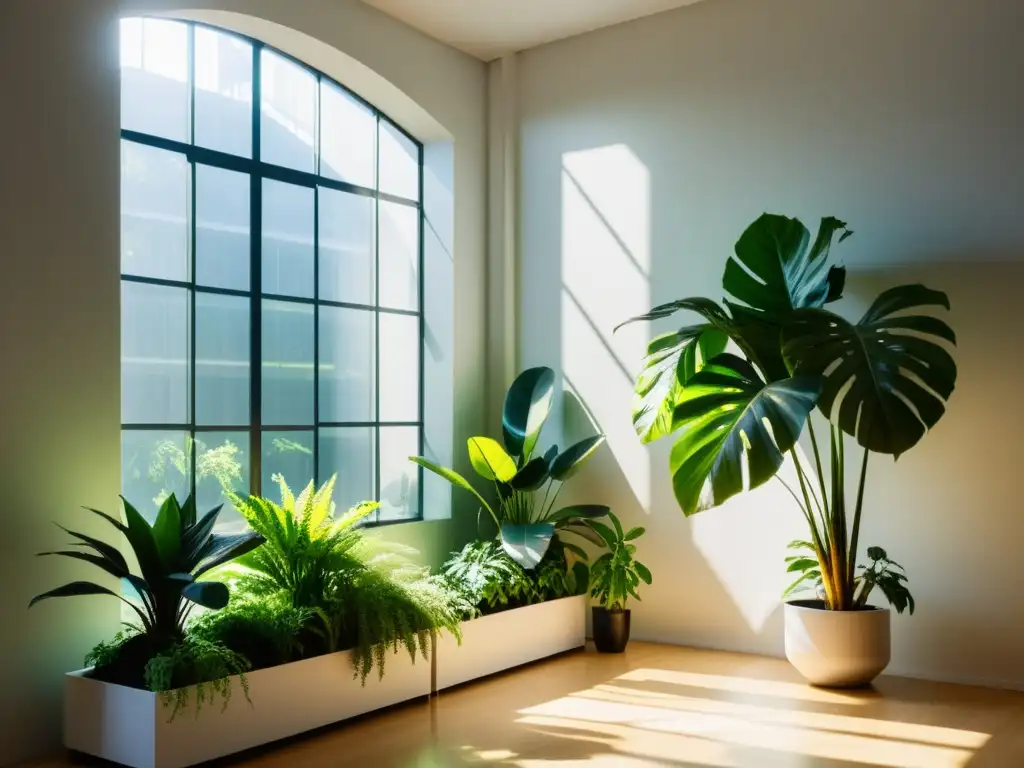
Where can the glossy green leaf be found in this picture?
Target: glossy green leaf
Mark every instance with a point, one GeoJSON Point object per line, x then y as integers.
{"type": "Point", "coordinates": [887, 378]}
{"type": "Point", "coordinates": [527, 544]}
{"type": "Point", "coordinates": [489, 459]}
{"type": "Point", "coordinates": [635, 533]}
{"type": "Point", "coordinates": [167, 531]}
{"type": "Point", "coordinates": [606, 533]}
{"type": "Point", "coordinates": [526, 408]}
{"type": "Point", "coordinates": [455, 479]}
{"type": "Point", "coordinates": [776, 268]}
{"type": "Point", "coordinates": [572, 459]}
{"type": "Point", "coordinates": [140, 538]}
{"type": "Point", "coordinates": [116, 523]}
{"type": "Point", "coordinates": [222, 549]}
{"type": "Point", "coordinates": [643, 572]}
{"type": "Point", "coordinates": [577, 512]}
{"type": "Point", "coordinates": [74, 589]}
{"type": "Point", "coordinates": [209, 594]}
{"type": "Point", "coordinates": [532, 475]}
{"type": "Point", "coordinates": [107, 551]}
{"type": "Point", "coordinates": [724, 417]}
{"type": "Point", "coordinates": [101, 562]}
{"type": "Point", "coordinates": [581, 577]}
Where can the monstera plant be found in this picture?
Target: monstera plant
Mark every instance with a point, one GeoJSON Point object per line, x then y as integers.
{"type": "Point", "coordinates": [882, 381]}
{"type": "Point", "coordinates": [526, 481]}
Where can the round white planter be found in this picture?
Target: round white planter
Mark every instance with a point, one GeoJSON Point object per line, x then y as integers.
{"type": "Point", "coordinates": [839, 649]}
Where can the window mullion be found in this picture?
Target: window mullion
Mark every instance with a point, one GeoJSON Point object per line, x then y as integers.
{"type": "Point", "coordinates": [376, 318]}
{"type": "Point", "coordinates": [256, 289]}
{"type": "Point", "coordinates": [193, 480]}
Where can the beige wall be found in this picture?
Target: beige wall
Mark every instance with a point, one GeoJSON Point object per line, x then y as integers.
{"type": "Point", "coordinates": [645, 150]}
{"type": "Point", "coordinates": [59, 391]}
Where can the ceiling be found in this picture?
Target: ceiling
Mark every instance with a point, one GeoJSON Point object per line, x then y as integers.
{"type": "Point", "coordinates": [488, 29]}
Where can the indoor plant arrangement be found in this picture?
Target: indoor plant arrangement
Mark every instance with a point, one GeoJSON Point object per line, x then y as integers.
{"type": "Point", "coordinates": [524, 514]}
{"type": "Point", "coordinates": [614, 578]}
{"type": "Point", "coordinates": [882, 381]}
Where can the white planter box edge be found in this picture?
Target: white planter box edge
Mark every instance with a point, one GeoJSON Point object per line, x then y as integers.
{"type": "Point", "coordinates": [501, 641]}
{"type": "Point", "coordinates": [130, 726]}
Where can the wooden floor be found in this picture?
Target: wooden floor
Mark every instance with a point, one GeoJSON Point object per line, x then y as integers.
{"type": "Point", "coordinates": [666, 706]}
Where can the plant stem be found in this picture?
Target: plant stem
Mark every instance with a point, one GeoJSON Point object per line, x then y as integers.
{"type": "Point", "coordinates": [817, 463]}
{"type": "Point", "coordinates": [821, 552]}
{"type": "Point", "coordinates": [838, 531]}
{"type": "Point", "coordinates": [856, 517]}
{"type": "Point", "coordinates": [553, 500]}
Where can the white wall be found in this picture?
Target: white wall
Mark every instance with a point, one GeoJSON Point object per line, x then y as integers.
{"type": "Point", "coordinates": [647, 148]}
{"type": "Point", "coordinates": [59, 390]}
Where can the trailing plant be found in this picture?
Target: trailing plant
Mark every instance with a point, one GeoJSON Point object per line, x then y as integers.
{"type": "Point", "coordinates": [490, 581]}
{"type": "Point", "coordinates": [355, 595]}
{"type": "Point", "coordinates": [527, 482]}
{"type": "Point", "coordinates": [194, 663]}
{"type": "Point", "coordinates": [882, 381]}
{"type": "Point", "coordinates": [172, 554]}
{"type": "Point", "coordinates": [615, 575]}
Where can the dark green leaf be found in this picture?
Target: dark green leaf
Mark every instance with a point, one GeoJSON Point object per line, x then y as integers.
{"type": "Point", "coordinates": [573, 458]}
{"type": "Point", "coordinates": [605, 533]}
{"type": "Point", "coordinates": [74, 589]}
{"type": "Point", "coordinates": [209, 594]}
{"type": "Point", "coordinates": [196, 537]}
{"type": "Point", "coordinates": [140, 537]}
{"type": "Point", "coordinates": [702, 306]}
{"type": "Point", "coordinates": [581, 577]}
{"type": "Point", "coordinates": [531, 476]}
{"type": "Point", "coordinates": [116, 523]}
{"type": "Point", "coordinates": [188, 513]}
{"type": "Point", "coordinates": [576, 550]}
{"type": "Point", "coordinates": [225, 548]}
{"type": "Point", "coordinates": [643, 572]}
{"type": "Point", "coordinates": [526, 408]}
{"type": "Point", "coordinates": [100, 561]}
{"type": "Point", "coordinates": [577, 512]}
{"type": "Point", "coordinates": [110, 553]}
{"type": "Point", "coordinates": [527, 544]}
{"type": "Point", "coordinates": [635, 533]}
{"type": "Point", "coordinates": [167, 531]}
{"type": "Point", "coordinates": [886, 379]}
{"type": "Point", "coordinates": [723, 415]}
{"type": "Point", "coordinates": [876, 553]}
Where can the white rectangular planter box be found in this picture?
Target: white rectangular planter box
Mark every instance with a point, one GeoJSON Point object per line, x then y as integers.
{"type": "Point", "coordinates": [504, 640]}
{"type": "Point", "coordinates": [130, 726]}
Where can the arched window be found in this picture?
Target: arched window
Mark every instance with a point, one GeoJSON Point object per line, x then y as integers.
{"type": "Point", "coordinates": [271, 260]}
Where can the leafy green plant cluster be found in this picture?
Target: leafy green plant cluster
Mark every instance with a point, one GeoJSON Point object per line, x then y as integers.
{"type": "Point", "coordinates": [490, 581]}
{"type": "Point", "coordinates": [883, 381]}
{"type": "Point", "coordinates": [352, 595]}
{"type": "Point", "coordinates": [882, 572]}
{"type": "Point", "coordinates": [196, 663]}
{"type": "Point", "coordinates": [526, 483]}
{"type": "Point", "coordinates": [616, 574]}
{"type": "Point", "coordinates": [267, 631]}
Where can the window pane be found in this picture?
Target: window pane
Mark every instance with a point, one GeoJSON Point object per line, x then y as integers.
{"type": "Point", "coordinates": [287, 239]}
{"type": "Point", "coordinates": [287, 363]}
{"type": "Point", "coordinates": [222, 359]}
{"type": "Point", "coordinates": [154, 354]}
{"type": "Point", "coordinates": [348, 140]}
{"type": "Point", "coordinates": [222, 228]}
{"type": "Point", "coordinates": [287, 112]}
{"type": "Point", "coordinates": [399, 477]}
{"type": "Point", "coordinates": [399, 367]}
{"type": "Point", "coordinates": [290, 455]}
{"type": "Point", "coordinates": [223, 92]}
{"type": "Point", "coordinates": [154, 212]}
{"type": "Point", "coordinates": [346, 365]}
{"type": "Point", "coordinates": [399, 256]}
{"type": "Point", "coordinates": [346, 247]}
{"type": "Point", "coordinates": [153, 466]}
{"type": "Point", "coordinates": [349, 454]}
{"type": "Point", "coordinates": [154, 77]}
{"type": "Point", "coordinates": [399, 163]}
{"type": "Point", "coordinates": [222, 466]}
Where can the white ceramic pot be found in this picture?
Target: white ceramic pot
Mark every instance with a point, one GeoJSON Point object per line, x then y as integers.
{"type": "Point", "coordinates": [838, 649]}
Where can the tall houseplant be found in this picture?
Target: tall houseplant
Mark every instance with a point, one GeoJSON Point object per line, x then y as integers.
{"type": "Point", "coordinates": [526, 481]}
{"type": "Point", "coordinates": [882, 381]}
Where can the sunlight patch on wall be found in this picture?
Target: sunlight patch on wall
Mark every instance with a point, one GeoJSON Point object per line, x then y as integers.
{"type": "Point", "coordinates": [605, 266]}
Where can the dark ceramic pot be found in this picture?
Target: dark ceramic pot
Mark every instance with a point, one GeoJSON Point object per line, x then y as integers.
{"type": "Point", "coordinates": [611, 630]}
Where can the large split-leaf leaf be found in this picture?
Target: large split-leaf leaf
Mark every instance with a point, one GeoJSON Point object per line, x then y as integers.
{"type": "Point", "coordinates": [527, 544]}
{"type": "Point", "coordinates": [729, 416]}
{"type": "Point", "coordinates": [672, 359]}
{"type": "Point", "coordinates": [886, 379]}
{"type": "Point", "coordinates": [527, 405]}
{"type": "Point", "coordinates": [777, 269]}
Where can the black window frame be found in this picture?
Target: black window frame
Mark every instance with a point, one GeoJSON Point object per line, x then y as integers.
{"type": "Point", "coordinates": [258, 170]}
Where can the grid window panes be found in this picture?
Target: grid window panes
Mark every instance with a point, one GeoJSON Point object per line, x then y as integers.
{"type": "Point", "coordinates": [271, 262]}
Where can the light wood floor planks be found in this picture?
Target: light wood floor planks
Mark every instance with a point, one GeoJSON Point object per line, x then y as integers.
{"type": "Point", "coordinates": [660, 705]}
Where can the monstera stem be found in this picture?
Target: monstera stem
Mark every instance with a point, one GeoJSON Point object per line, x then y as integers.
{"type": "Point", "coordinates": [821, 549]}
{"type": "Point", "coordinates": [817, 464]}
{"type": "Point", "coordinates": [856, 518]}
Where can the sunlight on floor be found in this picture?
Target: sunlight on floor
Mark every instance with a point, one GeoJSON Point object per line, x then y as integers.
{"type": "Point", "coordinates": [647, 727]}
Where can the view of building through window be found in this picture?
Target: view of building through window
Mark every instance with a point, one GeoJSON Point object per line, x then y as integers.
{"type": "Point", "coordinates": [271, 247]}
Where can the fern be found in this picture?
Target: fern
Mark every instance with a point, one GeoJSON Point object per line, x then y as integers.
{"type": "Point", "coordinates": [200, 664]}
{"type": "Point", "coordinates": [266, 631]}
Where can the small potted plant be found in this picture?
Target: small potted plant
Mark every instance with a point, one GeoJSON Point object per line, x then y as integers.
{"type": "Point", "coordinates": [614, 578]}
{"type": "Point", "coordinates": [881, 382]}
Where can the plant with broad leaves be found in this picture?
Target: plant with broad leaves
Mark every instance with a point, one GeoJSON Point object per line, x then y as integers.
{"type": "Point", "coordinates": [883, 573]}
{"type": "Point", "coordinates": [616, 574]}
{"type": "Point", "coordinates": [172, 554]}
{"type": "Point", "coordinates": [884, 381]}
{"type": "Point", "coordinates": [524, 478]}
